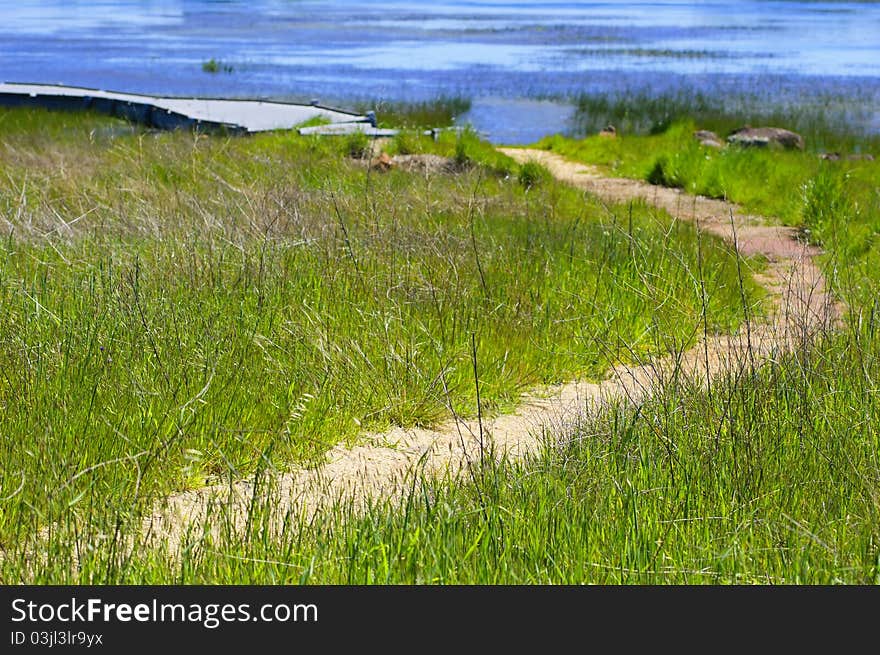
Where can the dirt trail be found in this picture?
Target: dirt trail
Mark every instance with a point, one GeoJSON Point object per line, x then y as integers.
{"type": "Point", "coordinates": [382, 465]}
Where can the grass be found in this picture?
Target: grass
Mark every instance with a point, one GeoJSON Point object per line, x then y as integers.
{"type": "Point", "coordinates": [767, 182]}
{"type": "Point", "coordinates": [532, 174]}
{"type": "Point", "coordinates": [438, 112]}
{"type": "Point", "coordinates": [464, 147]}
{"type": "Point", "coordinates": [179, 309]}
{"type": "Point", "coordinates": [835, 203]}
{"type": "Point", "coordinates": [770, 477]}
{"type": "Point", "coordinates": [214, 66]}
{"type": "Point", "coordinates": [358, 145]}
{"type": "Point", "coordinates": [826, 120]}
{"type": "Point", "coordinates": [651, 53]}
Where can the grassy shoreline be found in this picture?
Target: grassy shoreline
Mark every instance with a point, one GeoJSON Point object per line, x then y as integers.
{"type": "Point", "coordinates": [769, 476]}
{"type": "Point", "coordinates": [770, 479]}
{"type": "Point", "coordinates": [180, 308]}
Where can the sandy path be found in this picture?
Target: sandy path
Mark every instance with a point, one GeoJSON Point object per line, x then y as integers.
{"type": "Point", "coordinates": [381, 465]}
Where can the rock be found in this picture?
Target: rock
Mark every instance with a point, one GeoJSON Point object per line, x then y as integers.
{"type": "Point", "coordinates": [836, 156]}
{"type": "Point", "coordinates": [383, 162]}
{"type": "Point", "coordinates": [766, 136]}
{"type": "Point", "coordinates": [709, 139]}
{"type": "Point", "coordinates": [609, 132]}
{"type": "Point", "coordinates": [424, 163]}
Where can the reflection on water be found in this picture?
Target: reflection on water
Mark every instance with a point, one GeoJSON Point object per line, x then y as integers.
{"type": "Point", "coordinates": [344, 50]}
{"type": "Point", "coordinates": [518, 120]}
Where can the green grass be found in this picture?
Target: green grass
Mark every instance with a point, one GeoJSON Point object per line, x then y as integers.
{"type": "Point", "coordinates": [177, 308]}
{"type": "Point", "coordinates": [532, 174]}
{"type": "Point", "coordinates": [768, 477]}
{"type": "Point", "coordinates": [464, 147]}
{"type": "Point", "coordinates": [771, 477]}
{"type": "Point", "coordinates": [216, 66]}
{"type": "Point", "coordinates": [836, 203]}
{"type": "Point", "coordinates": [651, 53]}
{"type": "Point", "coordinates": [438, 112]}
{"type": "Point", "coordinates": [773, 183]}
{"type": "Point", "coordinates": [827, 121]}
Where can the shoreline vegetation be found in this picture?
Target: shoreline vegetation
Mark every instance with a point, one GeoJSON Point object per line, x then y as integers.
{"type": "Point", "coordinates": [180, 309]}
{"type": "Point", "coordinates": [828, 120]}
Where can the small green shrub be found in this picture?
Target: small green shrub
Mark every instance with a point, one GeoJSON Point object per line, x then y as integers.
{"type": "Point", "coordinates": [713, 183]}
{"type": "Point", "coordinates": [462, 156]}
{"type": "Point", "coordinates": [532, 174]}
{"type": "Point", "coordinates": [407, 143]}
{"type": "Point", "coordinates": [216, 66]}
{"type": "Point", "coordinates": [469, 150]}
{"type": "Point", "coordinates": [357, 145]}
{"type": "Point", "coordinates": [825, 203]}
{"type": "Point", "coordinates": [663, 173]}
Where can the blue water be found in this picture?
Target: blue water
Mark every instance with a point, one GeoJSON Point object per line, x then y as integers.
{"type": "Point", "coordinates": [510, 57]}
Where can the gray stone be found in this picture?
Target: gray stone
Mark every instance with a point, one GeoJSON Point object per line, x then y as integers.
{"type": "Point", "coordinates": [763, 137]}
{"type": "Point", "coordinates": [709, 139]}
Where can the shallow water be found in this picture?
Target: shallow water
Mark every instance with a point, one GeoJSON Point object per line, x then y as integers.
{"type": "Point", "coordinates": [504, 55]}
